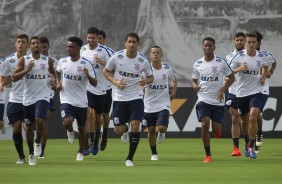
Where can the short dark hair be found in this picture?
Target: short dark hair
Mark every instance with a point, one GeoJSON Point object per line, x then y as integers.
{"type": "Point", "coordinates": [93, 30]}
{"type": "Point", "coordinates": [135, 35]}
{"type": "Point", "coordinates": [238, 35]}
{"type": "Point", "coordinates": [44, 40]}
{"type": "Point", "coordinates": [101, 32]}
{"type": "Point", "coordinates": [156, 46]}
{"type": "Point", "coordinates": [251, 34]}
{"type": "Point", "coordinates": [23, 36]}
{"type": "Point", "coordinates": [259, 36]}
{"type": "Point", "coordinates": [76, 40]}
{"type": "Point", "coordinates": [34, 38]}
{"type": "Point", "coordinates": [209, 39]}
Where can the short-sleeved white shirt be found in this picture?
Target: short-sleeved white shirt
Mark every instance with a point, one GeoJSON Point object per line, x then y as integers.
{"type": "Point", "coordinates": [101, 52]}
{"type": "Point", "coordinates": [36, 80]}
{"type": "Point", "coordinates": [130, 70]}
{"type": "Point", "coordinates": [211, 77]}
{"type": "Point", "coordinates": [156, 96]}
{"type": "Point", "coordinates": [74, 81]}
{"type": "Point", "coordinates": [233, 87]}
{"type": "Point", "coordinates": [249, 80]}
{"type": "Point", "coordinates": [270, 60]}
{"type": "Point", "coordinates": [10, 64]}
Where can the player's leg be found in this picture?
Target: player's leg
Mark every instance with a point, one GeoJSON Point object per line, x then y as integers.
{"type": "Point", "coordinates": [163, 120]}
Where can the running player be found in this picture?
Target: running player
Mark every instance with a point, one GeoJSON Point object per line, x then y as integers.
{"type": "Point", "coordinates": [157, 99]}
{"type": "Point", "coordinates": [239, 42]}
{"type": "Point", "coordinates": [76, 72]}
{"type": "Point", "coordinates": [128, 105]}
{"type": "Point", "coordinates": [98, 55]}
{"type": "Point", "coordinates": [207, 79]}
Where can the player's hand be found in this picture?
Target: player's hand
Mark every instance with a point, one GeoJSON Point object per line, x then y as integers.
{"type": "Point", "coordinates": [197, 87]}
{"type": "Point", "coordinates": [59, 86]}
{"type": "Point", "coordinates": [142, 81]}
{"type": "Point", "coordinates": [85, 71]}
{"type": "Point", "coordinates": [171, 94]}
{"type": "Point", "coordinates": [220, 96]}
{"type": "Point", "coordinates": [244, 67]}
{"type": "Point", "coordinates": [120, 84]}
{"type": "Point", "coordinates": [31, 65]}
{"type": "Point", "coordinates": [262, 81]}
{"type": "Point", "coordinates": [98, 60]}
{"type": "Point", "coordinates": [1, 88]}
{"type": "Point", "coordinates": [53, 84]}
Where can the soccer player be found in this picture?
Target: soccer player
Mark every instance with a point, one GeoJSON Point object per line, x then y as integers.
{"type": "Point", "coordinates": [98, 55]}
{"type": "Point", "coordinates": [2, 100]}
{"type": "Point", "coordinates": [74, 74]}
{"type": "Point", "coordinates": [251, 67]}
{"type": "Point", "coordinates": [207, 79]}
{"type": "Point", "coordinates": [157, 99]}
{"type": "Point", "coordinates": [45, 46]}
{"type": "Point", "coordinates": [108, 102]}
{"type": "Point", "coordinates": [128, 105]}
{"type": "Point", "coordinates": [34, 69]}
{"type": "Point", "coordinates": [239, 42]}
{"type": "Point", "coordinates": [15, 104]}
{"type": "Point", "coordinates": [265, 91]}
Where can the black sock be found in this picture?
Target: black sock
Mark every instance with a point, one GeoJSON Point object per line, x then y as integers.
{"type": "Point", "coordinates": [91, 137]}
{"type": "Point", "coordinates": [38, 138]}
{"type": "Point", "coordinates": [236, 142]}
{"type": "Point", "coordinates": [30, 147]}
{"type": "Point", "coordinates": [134, 140]}
{"type": "Point", "coordinates": [105, 134]}
{"type": "Point", "coordinates": [96, 138]}
{"type": "Point", "coordinates": [260, 132]}
{"type": "Point", "coordinates": [80, 150]}
{"type": "Point", "coordinates": [154, 150]}
{"type": "Point", "coordinates": [18, 141]}
{"type": "Point", "coordinates": [208, 150]}
{"type": "Point", "coordinates": [252, 143]}
{"type": "Point", "coordinates": [43, 148]}
{"type": "Point", "coordinates": [247, 139]}
{"type": "Point", "coordinates": [86, 140]}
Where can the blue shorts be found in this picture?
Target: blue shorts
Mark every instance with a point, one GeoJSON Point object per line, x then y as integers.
{"type": "Point", "coordinates": [51, 106]}
{"type": "Point", "coordinates": [231, 101]}
{"type": "Point", "coordinates": [15, 112]}
{"type": "Point", "coordinates": [215, 112]}
{"type": "Point", "coordinates": [247, 102]}
{"type": "Point", "coordinates": [2, 108]}
{"type": "Point", "coordinates": [97, 102]}
{"type": "Point", "coordinates": [156, 118]}
{"type": "Point", "coordinates": [126, 111]}
{"type": "Point", "coordinates": [79, 113]}
{"type": "Point", "coordinates": [108, 102]}
{"type": "Point", "coordinates": [37, 110]}
{"type": "Point", "coordinates": [265, 97]}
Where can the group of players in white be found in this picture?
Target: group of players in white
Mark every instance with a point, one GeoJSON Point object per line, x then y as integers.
{"type": "Point", "coordinates": [251, 69]}
{"type": "Point", "coordinates": [85, 79]}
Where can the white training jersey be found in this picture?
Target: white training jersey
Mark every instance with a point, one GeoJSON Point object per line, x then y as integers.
{"type": "Point", "coordinates": [156, 96]}
{"type": "Point", "coordinates": [248, 80]}
{"type": "Point", "coordinates": [270, 60]}
{"type": "Point", "coordinates": [233, 87]}
{"type": "Point", "coordinates": [10, 64]}
{"type": "Point", "coordinates": [129, 70]}
{"type": "Point", "coordinates": [211, 77]}
{"type": "Point", "coordinates": [108, 83]}
{"type": "Point", "coordinates": [101, 52]}
{"type": "Point", "coordinates": [2, 93]}
{"type": "Point", "coordinates": [35, 81]}
{"type": "Point", "coordinates": [52, 92]}
{"type": "Point", "coordinates": [74, 81]}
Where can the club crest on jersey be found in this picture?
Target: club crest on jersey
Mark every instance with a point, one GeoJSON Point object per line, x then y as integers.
{"type": "Point", "coordinates": [258, 63]}
{"type": "Point", "coordinates": [12, 61]}
{"type": "Point", "coordinates": [99, 50]}
{"type": "Point", "coordinates": [141, 60]}
{"type": "Point", "coordinates": [42, 66]}
{"type": "Point", "coordinates": [116, 120]}
{"type": "Point", "coordinates": [214, 69]}
{"type": "Point", "coordinates": [79, 69]}
{"type": "Point", "coordinates": [164, 77]}
{"type": "Point", "coordinates": [137, 67]}
{"type": "Point", "coordinates": [120, 56]}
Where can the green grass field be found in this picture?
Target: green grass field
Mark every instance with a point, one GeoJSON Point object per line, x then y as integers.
{"type": "Point", "coordinates": [180, 161]}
